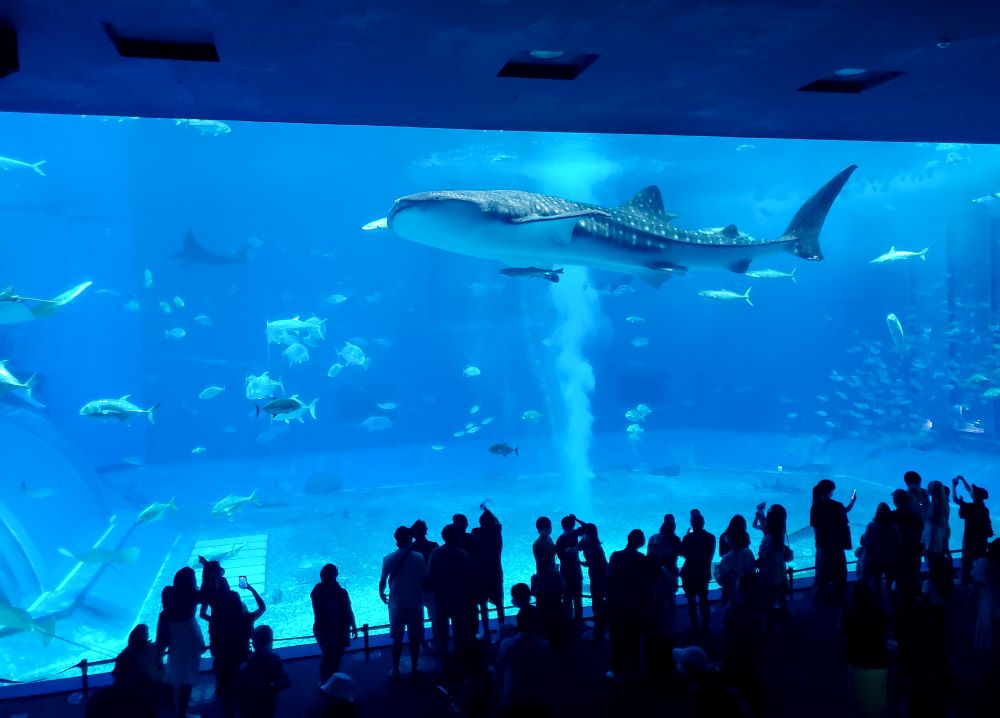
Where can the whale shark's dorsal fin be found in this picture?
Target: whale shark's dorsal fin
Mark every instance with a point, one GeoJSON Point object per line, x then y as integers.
{"type": "Point", "coordinates": [730, 231]}
{"type": "Point", "coordinates": [649, 201]}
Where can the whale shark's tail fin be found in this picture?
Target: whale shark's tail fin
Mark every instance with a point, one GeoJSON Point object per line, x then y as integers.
{"type": "Point", "coordinates": [803, 231]}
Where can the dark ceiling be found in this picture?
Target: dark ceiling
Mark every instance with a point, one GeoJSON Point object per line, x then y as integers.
{"type": "Point", "coordinates": [694, 68]}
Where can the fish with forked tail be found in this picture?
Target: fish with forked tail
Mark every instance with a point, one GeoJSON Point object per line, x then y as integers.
{"type": "Point", "coordinates": [504, 450]}
{"type": "Point", "coordinates": [525, 229]}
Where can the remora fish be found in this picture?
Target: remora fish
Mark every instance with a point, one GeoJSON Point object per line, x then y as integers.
{"type": "Point", "coordinates": [551, 275]}
{"type": "Point", "coordinates": [194, 253]}
{"type": "Point", "coordinates": [772, 274]}
{"type": "Point", "coordinates": [528, 229]}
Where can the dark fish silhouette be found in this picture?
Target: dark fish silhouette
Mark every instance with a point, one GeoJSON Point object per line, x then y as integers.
{"type": "Point", "coordinates": [504, 450]}
{"type": "Point", "coordinates": [194, 253]}
{"type": "Point", "coordinates": [551, 275]}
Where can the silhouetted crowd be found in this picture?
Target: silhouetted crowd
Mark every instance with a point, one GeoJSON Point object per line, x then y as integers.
{"type": "Point", "coordinates": [905, 578]}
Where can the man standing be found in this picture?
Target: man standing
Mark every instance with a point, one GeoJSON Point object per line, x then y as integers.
{"type": "Point", "coordinates": [403, 571]}
{"type": "Point", "coordinates": [697, 548]}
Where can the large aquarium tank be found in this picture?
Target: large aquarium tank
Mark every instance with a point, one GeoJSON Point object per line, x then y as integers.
{"type": "Point", "coordinates": [213, 346]}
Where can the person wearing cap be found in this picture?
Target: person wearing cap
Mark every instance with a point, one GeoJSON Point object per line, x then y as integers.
{"type": "Point", "coordinates": [978, 527]}
{"type": "Point", "coordinates": [403, 572]}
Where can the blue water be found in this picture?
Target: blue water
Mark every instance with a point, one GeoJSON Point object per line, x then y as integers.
{"type": "Point", "coordinates": [735, 390]}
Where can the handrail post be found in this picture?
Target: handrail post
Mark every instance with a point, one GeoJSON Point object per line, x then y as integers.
{"type": "Point", "coordinates": [84, 682]}
{"type": "Point", "coordinates": [791, 580]}
{"type": "Point", "coordinates": [365, 630]}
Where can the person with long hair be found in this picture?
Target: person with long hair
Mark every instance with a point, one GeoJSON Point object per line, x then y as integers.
{"type": "Point", "coordinates": [772, 560]}
{"type": "Point", "coordinates": [186, 642]}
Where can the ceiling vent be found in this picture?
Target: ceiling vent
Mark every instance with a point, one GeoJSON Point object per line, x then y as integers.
{"type": "Point", "coordinates": [8, 50]}
{"type": "Point", "coordinates": [159, 49]}
{"type": "Point", "coordinates": [547, 65]}
{"type": "Point", "coordinates": [851, 80]}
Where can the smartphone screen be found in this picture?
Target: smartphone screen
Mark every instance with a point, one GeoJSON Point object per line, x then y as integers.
{"type": "Point", "coordinates": [243, 581]}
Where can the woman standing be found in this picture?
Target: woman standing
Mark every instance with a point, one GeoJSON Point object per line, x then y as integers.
{"type": "Point", "coordinates": [185, 641]}
{"type": "Point", "coordinates": [773, 557]}
{"type": "Point", "coordinates": [937, 537]}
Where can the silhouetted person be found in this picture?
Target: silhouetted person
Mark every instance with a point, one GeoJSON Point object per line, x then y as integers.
{"type": "Point", "coordinates": [162, 642]}
{"type": "Point", "coordinates": [138, 672]}
{"type": "Point", "coordinates": [487, 568]}
{"type": "Point", "coordinates": [922, 655]}
{"type": "Point", "coordinates": [735, 536]}
{"type": "Point", "coordinates": [773, 556]}
{"type": "Point", "coordinates": [568, 550]}
{"type": "Point", "coordinates": [920, 500]}
{"type": "Point", "coordinates": [546, 583]}
{"type": "Point", "coordinates": [911, 529]}
{"type": "Point", "coordinates": [185, 643]}
{"type": "Point", "coordinates": [526, 670]}
{"type": "Point", "coordinates": [213, 585]}
{"type": "Point", "coordinates": [880, 550]}
{"type": "Point", "coordinates": [978, 528]}
{"type": "Point", "coordinates": [520, 595]}
{"type": "Point", "coordinates": [698, 549]}
{"type": "Point", "coordinates": [937, 539]}
{"type": "Point", "coordinates": [424, 546]}
{"type": "Point", "coordinates": [421, 544]}
{"type": "Point", "coordinates": [985, 601]}
{"type": "Point", "coordinates": [403, 571]}
{"type": "Point", "coordinates": [450, 579]}
{"type": "Point", "coordinates": [465, 540]}
{"type": "Point", "coordinates": [596, 562]}
{"type": "Point", "coordinates": [230, 630]}
{"type": "Point", "coordinates": [828, 517]}
{"type": "Point", "coordinates": [630, 603]}
{"type": "Point", "coordinates": [262, 678]}
{"type": "Point", "coordinates": [663, 550]}
{"type": "Point", "coordinates": [743, 631]}
{"type": "Point", "coordinates": [479, 690]}
{"type": "Point", "coordinates": [864, 626]}
{"type": "Point", "coordinates": [333, 620]}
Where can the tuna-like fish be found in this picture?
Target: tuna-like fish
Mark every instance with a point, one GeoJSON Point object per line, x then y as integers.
{"type": "Point", "coordinates": [896, 255]}
{"type": "Point", "coordinates": [233, 503]}
{"type": "Point", "coordinates": [155, 511]}
{"type": "Point", "coordinates": [504, 450]}
{"type": "Point", "coordinates": [772, 274]}
{"type": "Point", "coordinates": [7, 163]}
{"type": "Point", "coordinates": [289, 331]}
{"type": "Point", "coordinates": [724, 295]}
{"type": "Point", "coordinates": [288, 409]}
{"type": "Point", "coordinates": [115, 409]}
{"type": "Point", "coordinates": [527, 229]}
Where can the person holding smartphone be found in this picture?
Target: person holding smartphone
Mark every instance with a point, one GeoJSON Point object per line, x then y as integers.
{"type": "Point", "coordinates": [828, 517]}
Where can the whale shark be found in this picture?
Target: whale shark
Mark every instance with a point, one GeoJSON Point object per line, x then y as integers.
{"type": "Point", "coordinates": [193, 253]}
{"type": "Point", "coordinates": [527, 229]}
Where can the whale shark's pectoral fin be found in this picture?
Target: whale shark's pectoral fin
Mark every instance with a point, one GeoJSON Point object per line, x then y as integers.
{"type": "Point", "coordinates": [559, 227]}
{"type": "Point", "coordinates": [740, 267]}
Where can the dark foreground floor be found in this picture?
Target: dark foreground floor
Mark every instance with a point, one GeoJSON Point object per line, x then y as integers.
{"type": "Point", "coordinates": [802, 674]}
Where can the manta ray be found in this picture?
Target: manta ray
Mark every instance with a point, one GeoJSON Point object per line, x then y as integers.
{"type": "Point", "coordinates": [15, 309]}
{"type": "Point", "coordinates": [527, 229]}
{"type": "Point", "coordinates": [193, 253]}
